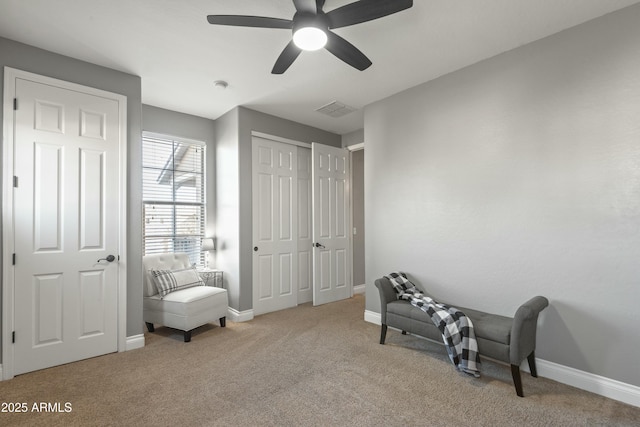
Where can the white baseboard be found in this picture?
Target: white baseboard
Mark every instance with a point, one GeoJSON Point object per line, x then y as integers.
{"type": "Point", "coordinates": [372, 317]}
{"type": "Point", "coordinates": [134, 342]}
{"type": "Point", "coordinates": [602, 386]}
{"type": "Point", "coordinates": [359, 289]}
{"type": "Point", "coordinates": [239, 316]}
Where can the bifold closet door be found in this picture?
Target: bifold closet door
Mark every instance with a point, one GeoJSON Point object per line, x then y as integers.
{"type": "Point", "coordinates": [275, 223]}
{"type": "Point", "coordinates": [331, 224]}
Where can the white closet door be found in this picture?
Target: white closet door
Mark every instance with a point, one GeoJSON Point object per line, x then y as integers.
{"type": "Point", "coordinates": [331, 224]}
{"type": "Point", "coordinates": [275, 226]}
{"type": "Point", "coordinates": [305, 229]}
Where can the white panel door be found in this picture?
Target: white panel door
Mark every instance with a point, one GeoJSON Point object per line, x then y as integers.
{"type": "Point", "coordinates": [305, 229]}
{"type": "Point", "coordinates": [275, 222]}
{"type": "Point", "coordinates": [331, 224]}
{"type": "Point", "coordinates": [66, 207]}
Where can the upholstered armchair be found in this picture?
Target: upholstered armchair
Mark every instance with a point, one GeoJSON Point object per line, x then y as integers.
{"type": "Point", "coordinates": [180, 305]}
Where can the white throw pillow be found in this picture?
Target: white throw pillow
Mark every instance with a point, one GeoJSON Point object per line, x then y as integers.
{"type": "Point", "coordinates": [173, 280]}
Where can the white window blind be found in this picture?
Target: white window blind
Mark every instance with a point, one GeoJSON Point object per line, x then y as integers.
{"type": "Point", "coordinates": [173, 194]}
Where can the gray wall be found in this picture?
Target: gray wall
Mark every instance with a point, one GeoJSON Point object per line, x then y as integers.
{"type": "Point", "coordinates": [234, 218]}
{"type": "Point", "coordinates": [353, 138]}
{"type": "Point", "coordinates": [228, 204]}
{"type": "Point", "coordinates": [167, 122]}
{"type": "Point", "coordinates": [520, 176]}
{"type": "Point", "coordinates": [28, 58]}
{"type": "Point", "coordinates": [175, 124]}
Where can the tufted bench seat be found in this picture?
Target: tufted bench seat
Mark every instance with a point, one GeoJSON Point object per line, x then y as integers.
{"type": "Point", "coordinates": [506, 339]}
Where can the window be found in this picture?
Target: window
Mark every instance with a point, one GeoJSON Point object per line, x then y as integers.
{"type": "Point", "coordinates": [173, 194]}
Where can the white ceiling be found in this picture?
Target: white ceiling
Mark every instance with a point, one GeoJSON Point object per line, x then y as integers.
{"type": "Point", "coordinates": [178, 55]}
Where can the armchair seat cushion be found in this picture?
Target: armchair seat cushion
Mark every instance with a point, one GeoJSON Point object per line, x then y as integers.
{"type": "Point", "coordinates": [190, 301]}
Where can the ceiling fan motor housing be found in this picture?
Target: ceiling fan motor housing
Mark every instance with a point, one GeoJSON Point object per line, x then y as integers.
{"type": "Point", "coordinates": [302, 20]}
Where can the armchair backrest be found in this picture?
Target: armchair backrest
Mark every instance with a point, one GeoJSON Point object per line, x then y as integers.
{"type": "Point", "coordinates": [168, 261]}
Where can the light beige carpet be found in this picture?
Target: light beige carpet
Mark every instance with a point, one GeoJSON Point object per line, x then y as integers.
{"type": "Point", "coordinates": [318, 366]}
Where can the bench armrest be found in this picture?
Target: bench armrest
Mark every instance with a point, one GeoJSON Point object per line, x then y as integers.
{"type": "Point", "coordinates": [387, 295]}
{"type": "Point", "coordinates": [523, 329]}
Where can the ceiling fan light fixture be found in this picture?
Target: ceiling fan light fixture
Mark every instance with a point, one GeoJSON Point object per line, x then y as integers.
{"type": "Point", "coordinates": [310, 38]}
{"type": "Point", "coordinates": [312, 28]}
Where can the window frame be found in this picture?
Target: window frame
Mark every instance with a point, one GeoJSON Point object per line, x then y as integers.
{"type": "Point", "coordinates": [202, 204]}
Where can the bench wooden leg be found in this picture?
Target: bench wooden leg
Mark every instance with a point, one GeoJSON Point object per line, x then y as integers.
{"type": "Point", "coordinates": [223, 322]}
{"type": "Point", "coordinates": [187, 336]}
{"type": "Point", "coordinates": [383, 333]}
{"type": "Point", "coordinates": [532, 364]}
{"type": "Point", "coordinates": [517, 381]}
{"type": "Point", "coordinates": [150, 326]}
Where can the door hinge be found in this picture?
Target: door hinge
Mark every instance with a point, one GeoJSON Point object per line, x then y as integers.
{"type": "Point", "coordinates": [15, 181]}
{"type": "Point", "coordinates": [15, 104]}
{"type": "Point", "coordinates": [13, 260]}
{"type": "Point", "coordinates": [13, 337]}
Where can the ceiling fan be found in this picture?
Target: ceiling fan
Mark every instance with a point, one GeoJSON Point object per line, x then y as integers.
{"type": "Point", "coordinates": [311, 28]}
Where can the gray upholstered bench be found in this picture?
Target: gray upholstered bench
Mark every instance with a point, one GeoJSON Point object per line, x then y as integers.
{"type": "Point", "coordinates": [506, 339]}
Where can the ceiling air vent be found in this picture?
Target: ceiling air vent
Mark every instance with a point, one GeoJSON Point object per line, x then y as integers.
{"type": "Point", "coordinates": [336, 109]}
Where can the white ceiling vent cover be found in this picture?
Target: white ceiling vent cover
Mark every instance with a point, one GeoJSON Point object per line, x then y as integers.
{"type": "Point", "coordinates": [336, 109]}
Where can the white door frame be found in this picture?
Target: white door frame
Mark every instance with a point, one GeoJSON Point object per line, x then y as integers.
{"type": "Point", "coordinates": [10, 76]}
{"type": "Point", "coordinates": [352, 148]}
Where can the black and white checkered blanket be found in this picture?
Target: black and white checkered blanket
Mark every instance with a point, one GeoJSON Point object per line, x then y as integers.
{"type": "Point", "coordinates": [456, 328]}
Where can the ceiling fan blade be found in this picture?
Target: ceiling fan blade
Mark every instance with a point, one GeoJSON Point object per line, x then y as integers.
{"type": "Point", "coordinates": [347, 52]}
{"type": "Point", "coordinates": [250, 21]}
{"type": "Point", "coordinates": [286, 58]}
{"type": "Point", "coordinates": [306, 6]}
{"type": "Point", "coordinates": [365, 10]}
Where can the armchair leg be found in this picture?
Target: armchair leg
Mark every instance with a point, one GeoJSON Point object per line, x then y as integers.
{"type": "Point", "coordinates": [532, 364]}
{"type": "Point", "coordinates": [517, 381]}
{"type": "Point", "coordinates": [223, 322]}
{"type": "Point", "coordinates": [150, 327]}
{"type": "Point", "coordinates": [383, 333]}
{"type": "Point", "coordinates": [187, 336]}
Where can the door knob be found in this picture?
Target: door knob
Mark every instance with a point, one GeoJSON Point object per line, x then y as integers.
{"type": "Point", "coordinates": [318, 245]}
{"type": "Point", "coordinates": [109, 258]}
{"type": "Point", "coordinates": [255, 249]}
